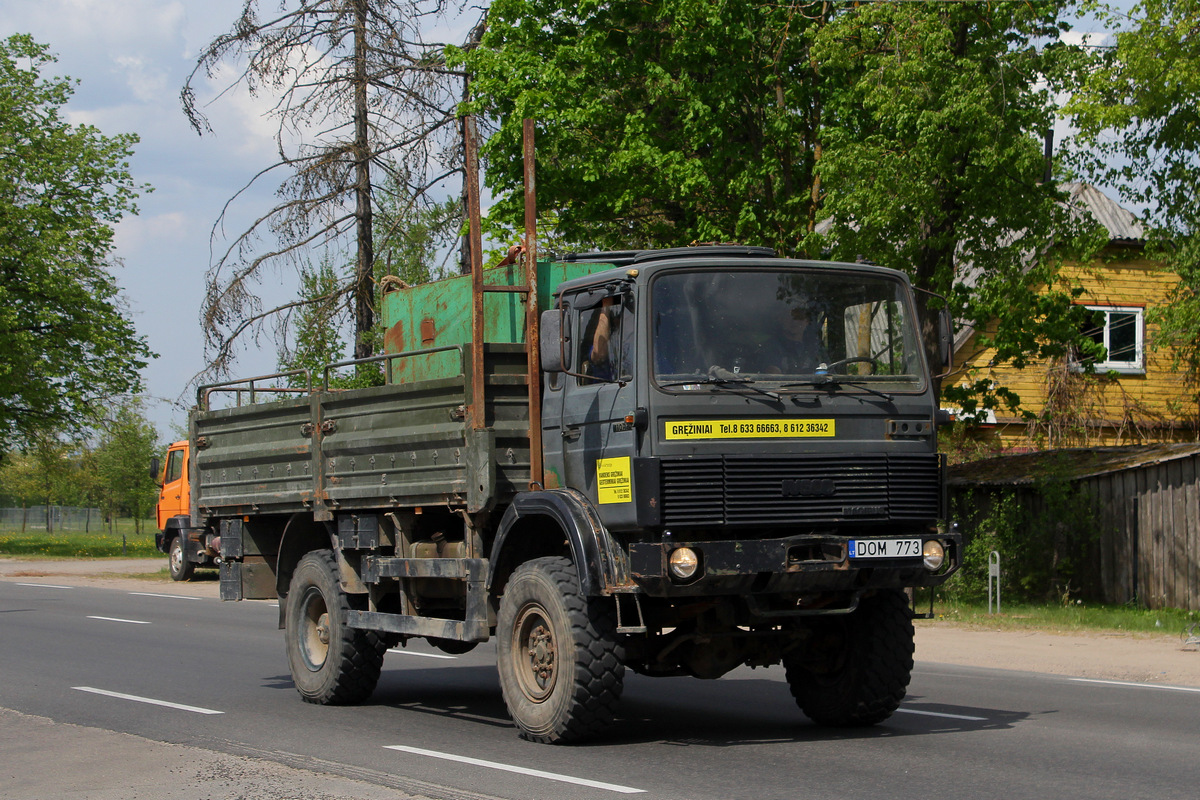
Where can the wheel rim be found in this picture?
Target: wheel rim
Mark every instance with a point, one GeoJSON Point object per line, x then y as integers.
{"type": "Point", "coordinates": [535, 653]}
{"type": "Point", "coordinates": [176, 557]}
{"type": "Point", "coordinates": [314, 638]}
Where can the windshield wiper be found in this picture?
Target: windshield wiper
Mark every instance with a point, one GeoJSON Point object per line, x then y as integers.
{"type": "Point", "coordinates": [835, 383]}
{"type": "Point", "coordinates": [723, 378]}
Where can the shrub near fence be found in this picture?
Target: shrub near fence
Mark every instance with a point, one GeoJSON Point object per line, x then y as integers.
{"type": "Point", "coordinates": [1116, 524]}
{"type": "Point", "coordinates": [51, 519]}
{"type": "Point", "coordinates": [1047, 535]}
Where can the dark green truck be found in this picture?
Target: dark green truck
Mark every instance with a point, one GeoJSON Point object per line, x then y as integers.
{"type": "Point", "coordinates": [712, 458]}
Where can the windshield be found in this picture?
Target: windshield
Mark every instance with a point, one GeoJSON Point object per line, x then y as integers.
{"type": "Point", "coordinates": [783, 326]}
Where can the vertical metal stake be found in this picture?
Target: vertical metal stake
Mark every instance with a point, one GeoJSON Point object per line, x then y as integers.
{"type": "Point", "coordinates": [534, 375]}
{"type": "Point", "coordinates": [471, 145]}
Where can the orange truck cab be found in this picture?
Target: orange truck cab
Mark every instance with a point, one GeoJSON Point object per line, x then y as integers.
{"type": "Point", "coordinates": [185, 547]}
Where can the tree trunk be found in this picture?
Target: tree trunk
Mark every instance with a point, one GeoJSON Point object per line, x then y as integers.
{"type": "Point", "coordinates": [364, 268]}
{"type": "Point", "coordinates": [473, 40]}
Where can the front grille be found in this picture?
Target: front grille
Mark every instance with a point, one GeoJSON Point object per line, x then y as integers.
{"type": "Point", "coordinates": [788, 490]}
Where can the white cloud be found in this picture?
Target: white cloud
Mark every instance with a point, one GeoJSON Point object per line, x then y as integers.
{"type": "Point", "coordinates": [133, 233]}
{"type": "Point", "coordinates": [1088, 38]}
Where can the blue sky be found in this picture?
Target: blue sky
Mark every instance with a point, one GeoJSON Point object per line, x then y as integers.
{"type": "Point", "coordinates": [132, 58]}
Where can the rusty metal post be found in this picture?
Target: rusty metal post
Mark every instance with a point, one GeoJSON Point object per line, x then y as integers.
{"type": "Point", "coordinates": [536, 478]}
{"type": "Point", "coordinates": [478, 412]}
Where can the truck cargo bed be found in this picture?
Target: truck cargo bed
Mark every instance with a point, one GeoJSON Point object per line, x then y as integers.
{"type": "Point", "coordinates": [393, 446]}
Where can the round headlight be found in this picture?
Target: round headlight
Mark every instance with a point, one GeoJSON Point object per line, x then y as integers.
{"type": "Point", "coordinates": [934, 554]}
{"type": "Point", "coordinates": [684, 562]}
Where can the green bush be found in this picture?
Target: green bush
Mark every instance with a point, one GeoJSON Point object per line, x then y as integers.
{"type": "Point", "coordinates": [1046, 538]}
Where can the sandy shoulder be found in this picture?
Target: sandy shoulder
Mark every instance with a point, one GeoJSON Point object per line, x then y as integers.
{"type": "Point", "coordinates": [1122, 657]}
{"type": "Point", "coordinates": [1108, 656]}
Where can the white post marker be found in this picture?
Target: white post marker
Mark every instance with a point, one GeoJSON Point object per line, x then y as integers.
{"type": "Point", "coordinates": [994, 577]}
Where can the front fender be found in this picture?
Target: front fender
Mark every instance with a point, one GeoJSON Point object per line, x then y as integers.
{"type": "Point", "coordinates": [602, 564]}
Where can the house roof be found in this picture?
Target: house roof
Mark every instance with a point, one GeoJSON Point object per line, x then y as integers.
{"type": "Point", "coordinates": [1121, 224]}
{"type": "Point", "coordinates": [1067, 464]}
{"type": "Point", "coordinates": [1084, 201]}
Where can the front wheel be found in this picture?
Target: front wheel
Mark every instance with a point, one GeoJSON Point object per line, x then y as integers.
{"type": "Point", "coordinates": [180, 568]}
{"type": "Point", "coordinates": [331, 663]}
{"type": "Point", "coordinates": [559, 661]}
{"type": "Point", "coordinates": [854, 670]}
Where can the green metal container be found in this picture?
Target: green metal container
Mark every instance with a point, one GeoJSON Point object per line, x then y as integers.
{"type": "Point", "coordinates": [438, 315]}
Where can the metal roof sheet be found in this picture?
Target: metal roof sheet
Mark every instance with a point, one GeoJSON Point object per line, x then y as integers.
{"type": "Point", "coordinates": [1067, 464]}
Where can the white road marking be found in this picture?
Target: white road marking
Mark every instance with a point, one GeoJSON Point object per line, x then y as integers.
{"type": "Point", "coordinates": [1138, 685]}
{"type": "Point", "coordinates": [404, 652]}
{"type": "Point", "coordinates": [118, 619]}
{"type": "Point", "coordinates": [168, 596]}
{"type": "Point", "coordinates": [536, 773]}
{"type": "Point", "coordinates": [148, 700]}
{"type": "Point", "coordinates": [940, 714]}
{"type": "Point", "coordinates": [46, 585]}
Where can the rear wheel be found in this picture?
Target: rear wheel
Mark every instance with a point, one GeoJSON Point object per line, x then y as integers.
{"type": "Point", "coordinates": [854, 670]}
{"type": "Point", "coordinates": [331, 663]}
{"type": "Point", "coordinates": [180, 568]}
{"type": "Point", "coordinates": [559, 663]}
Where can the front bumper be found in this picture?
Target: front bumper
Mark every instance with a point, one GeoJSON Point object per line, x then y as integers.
{"type": "Point", "coordinates": [789, 565]}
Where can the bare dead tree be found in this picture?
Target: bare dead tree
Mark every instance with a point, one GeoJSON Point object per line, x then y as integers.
{"type": "Point", "coordinates": [359, 89]}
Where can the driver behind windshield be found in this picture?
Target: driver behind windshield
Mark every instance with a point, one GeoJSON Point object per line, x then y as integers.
{"type": "Point", "coordinates": [797, 349]}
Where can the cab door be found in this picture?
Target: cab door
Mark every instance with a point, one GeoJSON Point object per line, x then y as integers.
{"type": "Point", "coordinates": [173, 496]}
{"type": "Point", "coordinates": [599, 398]}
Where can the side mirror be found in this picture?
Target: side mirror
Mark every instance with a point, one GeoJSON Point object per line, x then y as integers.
{"type": "Point", "coordinates": [946, 339]}
{"type": "Point", "coordinates": [156, 470]}
{"type": "Point", "coordinates": [550, 340]}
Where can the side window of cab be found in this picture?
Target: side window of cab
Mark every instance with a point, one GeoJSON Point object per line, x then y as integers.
{"type": "Point", "coordinates": [174, 466]}
{"type": "Point", "coordinates": [605, 349]}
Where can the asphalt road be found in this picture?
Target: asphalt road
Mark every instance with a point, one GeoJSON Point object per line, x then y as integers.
{"type": "Point", "coordinates": [198, 672]}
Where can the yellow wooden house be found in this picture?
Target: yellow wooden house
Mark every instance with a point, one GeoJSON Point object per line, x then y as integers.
{"type": "Point", "coordinates": [1135, 396]}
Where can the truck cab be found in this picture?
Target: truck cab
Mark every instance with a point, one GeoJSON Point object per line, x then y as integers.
{"type": "Point", "coordinates": [760, 438]}
{"type": "Point", "coordinates": [183, 544]}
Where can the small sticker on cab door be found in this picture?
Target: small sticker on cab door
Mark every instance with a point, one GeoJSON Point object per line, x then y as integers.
{"type": "Point", "coordinates": [614, 480]}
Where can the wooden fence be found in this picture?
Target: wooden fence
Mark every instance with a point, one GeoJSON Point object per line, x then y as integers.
{"type": "Point", "coordinates": [1144, 545]}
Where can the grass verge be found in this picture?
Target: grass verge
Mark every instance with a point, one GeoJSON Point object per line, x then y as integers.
{"type": "Point", "coordinates": [78, 545]}
{"type": "Point", "coordinates": [1077, 617]}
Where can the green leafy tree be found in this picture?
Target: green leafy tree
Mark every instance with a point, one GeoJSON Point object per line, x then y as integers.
{"type": "Point", "coordinates": [65, 339]}
{"type": "Point", "coordinates": [44, 473]}
{"type": "Point", "coordinates": [410, 236]}
{"type": "Point", "coordinates": [313, 338]}
{"type": "Point", "coordinates": [934, 164]}
{"type": "Point", "coordinates": [658, 123]}
{"type": "Point", "coordinates": [127, 443]}
{"type": "Point", "coordinates": [1138, 115]}
{"type": "Point", "coordinates": [902, 133]}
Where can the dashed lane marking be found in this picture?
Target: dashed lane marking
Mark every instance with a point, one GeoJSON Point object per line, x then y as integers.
{"type": "Point", "coordinates": [1138, 685]}
{"type": "Point", "coordinates": [940, 714]}
{"type": "Point", "coordinates": [148, 700]}
{"type": "Point", "coordinates": [118, 619]}
{"type": "Point", "coordinates": [536, 773]}
{"type": "Point", "coordinates": [421, 655]}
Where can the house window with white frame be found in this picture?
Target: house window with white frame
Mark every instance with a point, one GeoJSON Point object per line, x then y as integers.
{"type": "Point", "coordinates": [1120, 331]}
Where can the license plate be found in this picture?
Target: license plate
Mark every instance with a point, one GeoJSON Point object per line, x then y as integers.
{"type": "Point", "coordinates": [885, 548]}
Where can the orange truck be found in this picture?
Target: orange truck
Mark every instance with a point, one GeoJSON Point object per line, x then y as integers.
{"type": "Point", "coordinates": [186, 547]}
